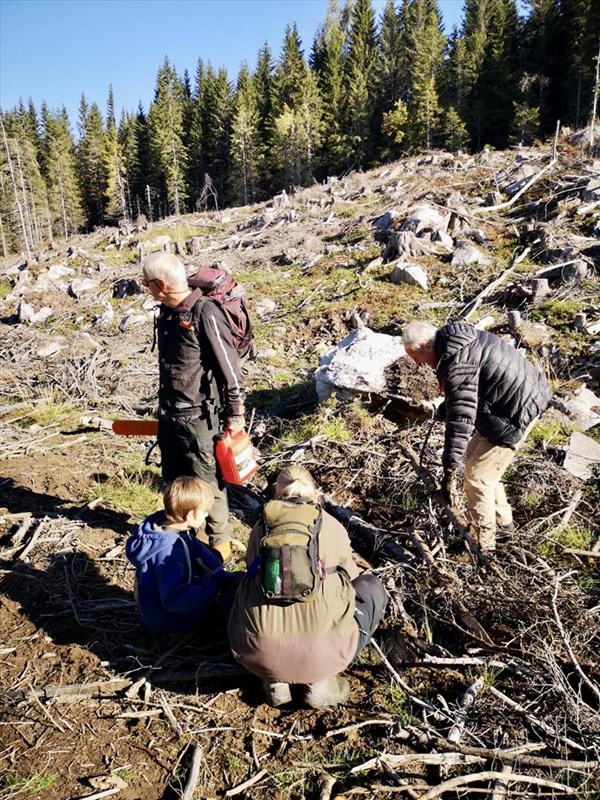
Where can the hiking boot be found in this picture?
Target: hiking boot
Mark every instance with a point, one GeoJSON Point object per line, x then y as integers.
{"type": "Point", "coordinates": [330, 692]}
{"type": "Point", "coordinates": [505, 532]}
{"type": "Point", "coordinates": [276, 693]}
{"type": "Point", "coordinates": [223, 549]}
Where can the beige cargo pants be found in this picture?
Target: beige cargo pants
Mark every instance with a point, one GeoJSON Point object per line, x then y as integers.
{"type": "Point", "coordinates": [487, 506]}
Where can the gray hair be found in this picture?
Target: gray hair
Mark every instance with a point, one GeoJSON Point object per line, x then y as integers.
{"type": "Point", "coordinates": [418, 334]}
{"type": "Point", "coordinates": [165, 267]}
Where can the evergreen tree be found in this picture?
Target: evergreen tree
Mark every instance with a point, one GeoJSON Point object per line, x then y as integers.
{"type": "Point", "coordinates": [217, 113]}
{"type": "Point", "coordinates": [91, 172]}
{"type": "Point", "coordinates": [394, 122]}
{"type": "Point", "coordinates": [195, 140]}
{"type": "Point", "coordinates": [297, 115]}
{"type": "Point", "coordinates": [393, 67]}
{"type": "Point", "coordinates": [110, 109]}
{"type": "Point", "coordinates": [455, 131]}
{"type": "Point", "coordinates": [263, 83]}
{"type": "Point", "coordinates": [543, 60]}
{"type": "Point", "coordinates": [61, 178]}
{"type": "Point", "coordinates": [116, 189]}
{"type": "Point", "coordinates": [491, 33]}
{"type": "Point", "coordinates": [128, 142]}
{"type": "Point", "coordinates": [165, 122]}
{"type": "Point", "coordinates": [361, 78]}
{"type": "Point", "coordinates": [579, 25]}
{"type": "Point", "coordinates": [426, 43]}
{"type": "Point", "coordinates": [330, 71]}
{"type": "Point", "coordinates": [246, 147]}
{"type": "Point", "coordinates": [290, 72]}
{"type": "Point", "coordinates": [145, 180]}
{"type": "Point", "coordinates": [23, 197]}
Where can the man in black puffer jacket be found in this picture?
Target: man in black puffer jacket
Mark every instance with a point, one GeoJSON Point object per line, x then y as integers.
{"type": "Point", "coordinates": [493, 397]}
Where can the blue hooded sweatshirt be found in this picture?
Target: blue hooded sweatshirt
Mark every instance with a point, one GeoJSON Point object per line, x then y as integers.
{"type": "Point", "coordinates": [178, 577]}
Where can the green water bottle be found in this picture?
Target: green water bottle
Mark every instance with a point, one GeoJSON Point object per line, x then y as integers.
{"type": "Point", "coordinates": [272, 577]}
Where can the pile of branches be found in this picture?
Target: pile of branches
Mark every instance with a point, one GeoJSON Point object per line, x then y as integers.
{"type": "Point", "coordinates": [497, 658]}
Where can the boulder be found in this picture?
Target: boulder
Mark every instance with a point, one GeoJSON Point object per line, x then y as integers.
{"type": "Point", "coordinates": [466, 253]}
{"type": "Point", "coordinates": [382, 223]}
{"type": "Point", "coordinates": [357, 364]}
{"type": "Point", "coordinates": [264, 308]}
{"type": "Point", "coordinates": [27, 313]}
{"type": "Point", "coordinates": [413, 275]}
{"type": "Point", "coordinates": [79, 286]}
{"type": "Point", "coordinates": [443, 239]}
{"type": "Point", "coordinates": [582, 407]}
{"type": "Point", "coordinates": [582, 458]}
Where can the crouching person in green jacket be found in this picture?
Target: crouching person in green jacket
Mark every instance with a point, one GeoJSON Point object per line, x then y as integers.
{"type": "Point", "coordinates": [304, 610]}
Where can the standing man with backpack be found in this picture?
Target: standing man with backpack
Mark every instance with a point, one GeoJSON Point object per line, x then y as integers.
{"type": "Point", "coordinates": [200, 383]}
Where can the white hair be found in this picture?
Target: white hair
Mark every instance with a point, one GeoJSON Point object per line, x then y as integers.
{"type": "Point", "coordinates": [418, 334]}
{"type": "Point", "coordinates": [165, 267]}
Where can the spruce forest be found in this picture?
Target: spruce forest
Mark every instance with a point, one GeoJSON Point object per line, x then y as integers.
{"type": "Point", "coordinates": [368, 91]}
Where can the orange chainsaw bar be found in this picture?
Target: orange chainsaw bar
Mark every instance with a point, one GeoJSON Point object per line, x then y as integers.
{"type": "Point", "coordinates": [135, 427]}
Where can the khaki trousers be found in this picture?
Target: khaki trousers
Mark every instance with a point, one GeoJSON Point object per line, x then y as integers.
{"type": "Point", "coordinates": [487, 506]}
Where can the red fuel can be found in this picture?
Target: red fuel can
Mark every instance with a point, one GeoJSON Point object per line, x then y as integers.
{"type": "Point", "coordinates": [235, 456]}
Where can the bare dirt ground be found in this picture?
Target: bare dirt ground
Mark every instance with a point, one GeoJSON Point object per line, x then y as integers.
{"type": "Point", "coordinates": [478, 669]}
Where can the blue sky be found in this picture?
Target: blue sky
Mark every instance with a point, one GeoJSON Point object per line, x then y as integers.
{"type": "Point", "coordinates": [54, 50]}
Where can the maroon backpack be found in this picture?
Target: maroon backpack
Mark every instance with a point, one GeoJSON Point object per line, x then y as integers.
{"type": "Point", "coordinates": [220, 287]}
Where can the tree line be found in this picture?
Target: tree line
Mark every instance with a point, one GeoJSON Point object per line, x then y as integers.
{"type": "Point", "coordinates": [369, 91]}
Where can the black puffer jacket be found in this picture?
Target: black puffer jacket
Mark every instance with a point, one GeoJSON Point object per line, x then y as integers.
{"type": "Point", "coordinates": [489, 386]}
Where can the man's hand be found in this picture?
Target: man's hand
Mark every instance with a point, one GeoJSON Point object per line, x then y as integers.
{"type": "Point", "coordinates": [235, 424]}
{"type": "Point", "coordinates": [449, 488]}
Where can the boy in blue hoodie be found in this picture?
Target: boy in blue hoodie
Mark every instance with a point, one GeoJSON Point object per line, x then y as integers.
{"type": "Point", "coordinates": [178, 577]}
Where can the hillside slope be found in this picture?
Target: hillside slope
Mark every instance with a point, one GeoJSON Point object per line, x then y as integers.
{"type": "Point", "coordinates": [86, 695]}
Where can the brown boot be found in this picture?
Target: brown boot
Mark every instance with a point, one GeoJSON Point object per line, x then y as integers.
{"type": "Point", "coordinates": [330, 692]}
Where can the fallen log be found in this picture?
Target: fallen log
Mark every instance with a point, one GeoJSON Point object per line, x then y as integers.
{"type": "Point", "coordinates": [368, 538]}
{"type": "Point", "coordinates": [73, 691]}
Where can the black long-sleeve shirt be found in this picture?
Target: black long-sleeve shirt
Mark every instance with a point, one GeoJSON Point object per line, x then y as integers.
{"type": "Point", "coordinates": [198, 361]}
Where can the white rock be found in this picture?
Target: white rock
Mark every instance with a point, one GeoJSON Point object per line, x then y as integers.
{"type": "Point", "coordinates": [51, 348]}
{"type": "Point", "coordinates": [357, 364]}
{"type": "Point", "coordinates": [132, 319]}
{"type": "Point", "coordinates": [467, 253]}
{"type": "Point", "coordinates": [443, 239]}
{"type": "Point", "coordinates": [265, 307]}
{"type": "Point", "coordinates": [582, 457]}
{"type": "Point", "coordinates": [81, 285]}
{"type": "Point", "coordinates": [580, 407]}
{"type": "Point", "coordinates": [405, 273]}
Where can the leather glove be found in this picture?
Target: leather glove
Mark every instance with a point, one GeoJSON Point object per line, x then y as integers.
{"type": "Point", "coordinates": [235, 424]}
{"type": "Point", "coordinates": [449, 488]}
